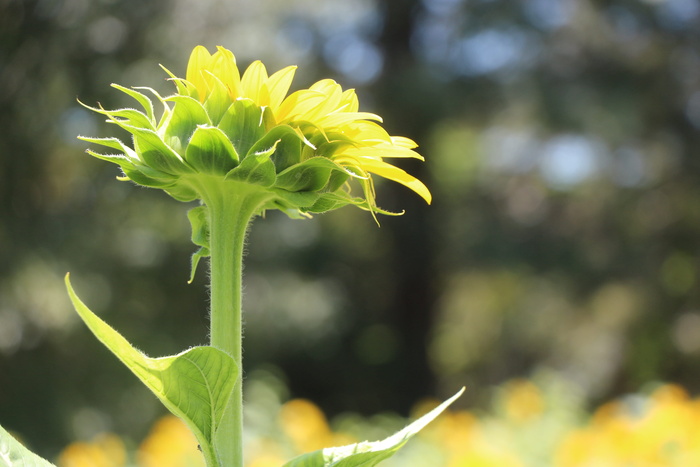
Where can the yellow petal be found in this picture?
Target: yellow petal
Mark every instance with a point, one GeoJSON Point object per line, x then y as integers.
{"type": "Point", "coordinates": [365, 130]}
{"type": "Point", "coordinates": [403, 142]}
{"type": "Point", "coordinates": [380, 151]}
{"type": "Point", "coordinates": [342, 118]}
{"type": "Point", "coordinates": [350, 102]}
{"type": "Point", "coordinates": [278, 85]}
{"type": "Point", "coordinates": [200, 58]}
{"type": "Point", "coordinates": [224, 67]}
{"type": "Point", "coordinates": [252, 82]}
{"type": "Point", "coordinates": [299, 104]}
{"type": "Point", "coordinates": [333, 95]}
{"type": "Point", "coordinates": [391, 172]}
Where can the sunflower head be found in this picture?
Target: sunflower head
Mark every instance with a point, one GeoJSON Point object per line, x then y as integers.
{"type": "Point", "coordinates": [306, 149]}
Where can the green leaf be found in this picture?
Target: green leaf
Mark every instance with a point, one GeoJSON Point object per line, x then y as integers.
{"type": "Point", "coordinates": [144, 175]}
{"type": "Point", "coordinates": [311, 175]}
{"type": "Point", "coordinates": [295, 200]}
{"type": "Point", "coordinates": [181, 192]}
{"type": "Point", "coordinates": [156, 154]}
{"type": "Point", "coordinates": [330, 201]}
{"type": "Point", "coordinates": [218, 100]}
{"type": "Point", "coordinates": [195, 385]}
{"type": "Point", "coordinates": [13, 454]}
{"type": "Point", "coordinates": [256, 168]}
{"type": "Point", "coordinates": [141, 98]}
{"type": "Point", "coordinates": [287, 143]}
{"type": "Point", "coordinates": [200, 235]}
{"type": "Point", "coordinates": [210, 151]}
{"type": "Point", "coordinates": [184, 87]}
{"type": "Point", "coordinates": [368, 454]}
{"type": "Point", "coordinates": [243, 124]}
{"type": "Point", "coordinates": [114, 143]}
{"type": "Point", "coordinates": [183, 120]}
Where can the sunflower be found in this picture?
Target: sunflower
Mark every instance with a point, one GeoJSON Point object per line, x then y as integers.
{"type": "Point", "coordinates": [303, 148]}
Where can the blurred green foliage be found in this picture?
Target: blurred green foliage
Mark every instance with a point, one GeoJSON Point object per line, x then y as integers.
{"type": "Point", "coordinates": [560, 141]}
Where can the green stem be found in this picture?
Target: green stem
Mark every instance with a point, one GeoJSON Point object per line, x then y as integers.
{"type": "Point", "coordinates": [230, 211]}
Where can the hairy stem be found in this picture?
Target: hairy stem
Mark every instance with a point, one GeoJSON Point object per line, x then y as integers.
{"type": "Point", "coordinates": [230, 213]}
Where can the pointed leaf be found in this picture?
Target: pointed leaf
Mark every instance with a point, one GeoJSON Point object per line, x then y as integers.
{"type": "Point", "coordinates": [156, 154]}
{"type": "Point", "coordinates": [218, 100]}
{"type": "Point", "coordinates": [367, 454]}
{"type": "Point", "coordinates": [311, 175]}
{"type": "Point", "coordinates": [288, 146]}
{"type": "Point", "coordinates": [195, 385]}
{"type": "Point", "coordinates": [141, 98]}
{"type": "Point", "coordinates": [184, 87]}
{"type": "Point", "coordinates": [295, 200]}
{"type": "Point", "coordinates": [187, 115]}
{"type": "Point", "coordinates": [210, 151]}
{"type": "Point", "coordinates": [256, 168]}
{"type": "Point", "coordinates": [113, 143]}
{"type": "Point", "coordinates": [14, 454]}
{"type": "Point", "coordinates": [198, 218]}
{"type": "Point", "coordinates": [131, 117]}
{"type": "Point", "coordinates": [243, 124]}
{"type": "Point", "coordinates": [330, 201]}
{"type": "Point", "coordinates": [183, 193]}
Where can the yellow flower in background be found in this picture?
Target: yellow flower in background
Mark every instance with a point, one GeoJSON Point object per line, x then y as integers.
{"type": "Point", "coordinates": [170, 443]}
{"type": "Point", "coordinates": [661, 429]}
{"type": "Point", "coordinates": [665, 431]}
{"type": "Point", "coordinates": [307, 427]}
{"type": "Point", "coordinates": [522, 401]}
{"type": "Point", "coordinates": [106, 450]}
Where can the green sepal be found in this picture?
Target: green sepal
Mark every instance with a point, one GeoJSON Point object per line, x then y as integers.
{"type": "Point", "coordinates": [141, 98]}
{"type": "Point", "coordinates": [294, 200]}
{"type": "Point", "coordinates": [182, 192]}
{"type": "Point", "coordinates": [311, 175]}
{"type": "Point", "coordinates": [158, 155]}
{"type": "Point", "coordinates": [210, 151]}
{"type": "Point", "coordinates": [184, 87]}
{"type": "Point", "coordinates": [111, 142]}
{"type": "Point", "coordinates": [256, 168]}
{"type": "Point", "coordinates": [194, 385]}
{"type": "Point", "coordinates": [165, 116]}
{"type": "Point", "coordinates": [331, 201]}
{"type": "Point", "coordinates": [218, 101]}
{"type": "Point", "coordinates": [368, 454]}
{"type": "Point", "coordinates": [243, 123]}
{"type": "Point", "coordinates": [14, 454]}
{"type": "Point", "coordinates": [199, 220]}
{"type": "Point", "coordinates": [138, 177]}
{"type": "Point", "coordinates": [187, 114]}
{"type": "Point", "coordinates": [337, 180]}
{"type": "Point", "coordinates": [331, 143]}
{"type": "Point", "coordinates": [130, 117]}
{"type": "Point", "coordinates": [288, 149]}
{"type": "Point", "coordinates": [153, 151]}
{"type": "Point", "coordinates": [119, 159]}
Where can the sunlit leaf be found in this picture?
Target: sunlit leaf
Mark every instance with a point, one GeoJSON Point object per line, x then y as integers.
{"type": "Point", "coordinates": [195, 385]}
{"type": "Point", "coordinates": [14, 454]}
{"type": "Point", "coordinates": [200, 235]}
{"type": "Point", "coordinates": [368, 454]}
{"type": "Point", "coordinates": [210, 151]}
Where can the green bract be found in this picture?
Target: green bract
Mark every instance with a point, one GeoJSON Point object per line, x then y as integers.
{"type": "Point", "coordinates": [221, 128]}
{"type": "Point", "coordinates": [191, 149]}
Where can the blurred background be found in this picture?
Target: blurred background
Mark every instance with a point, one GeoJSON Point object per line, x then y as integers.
{"type": "Point", "coordinates": [560, 139]}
